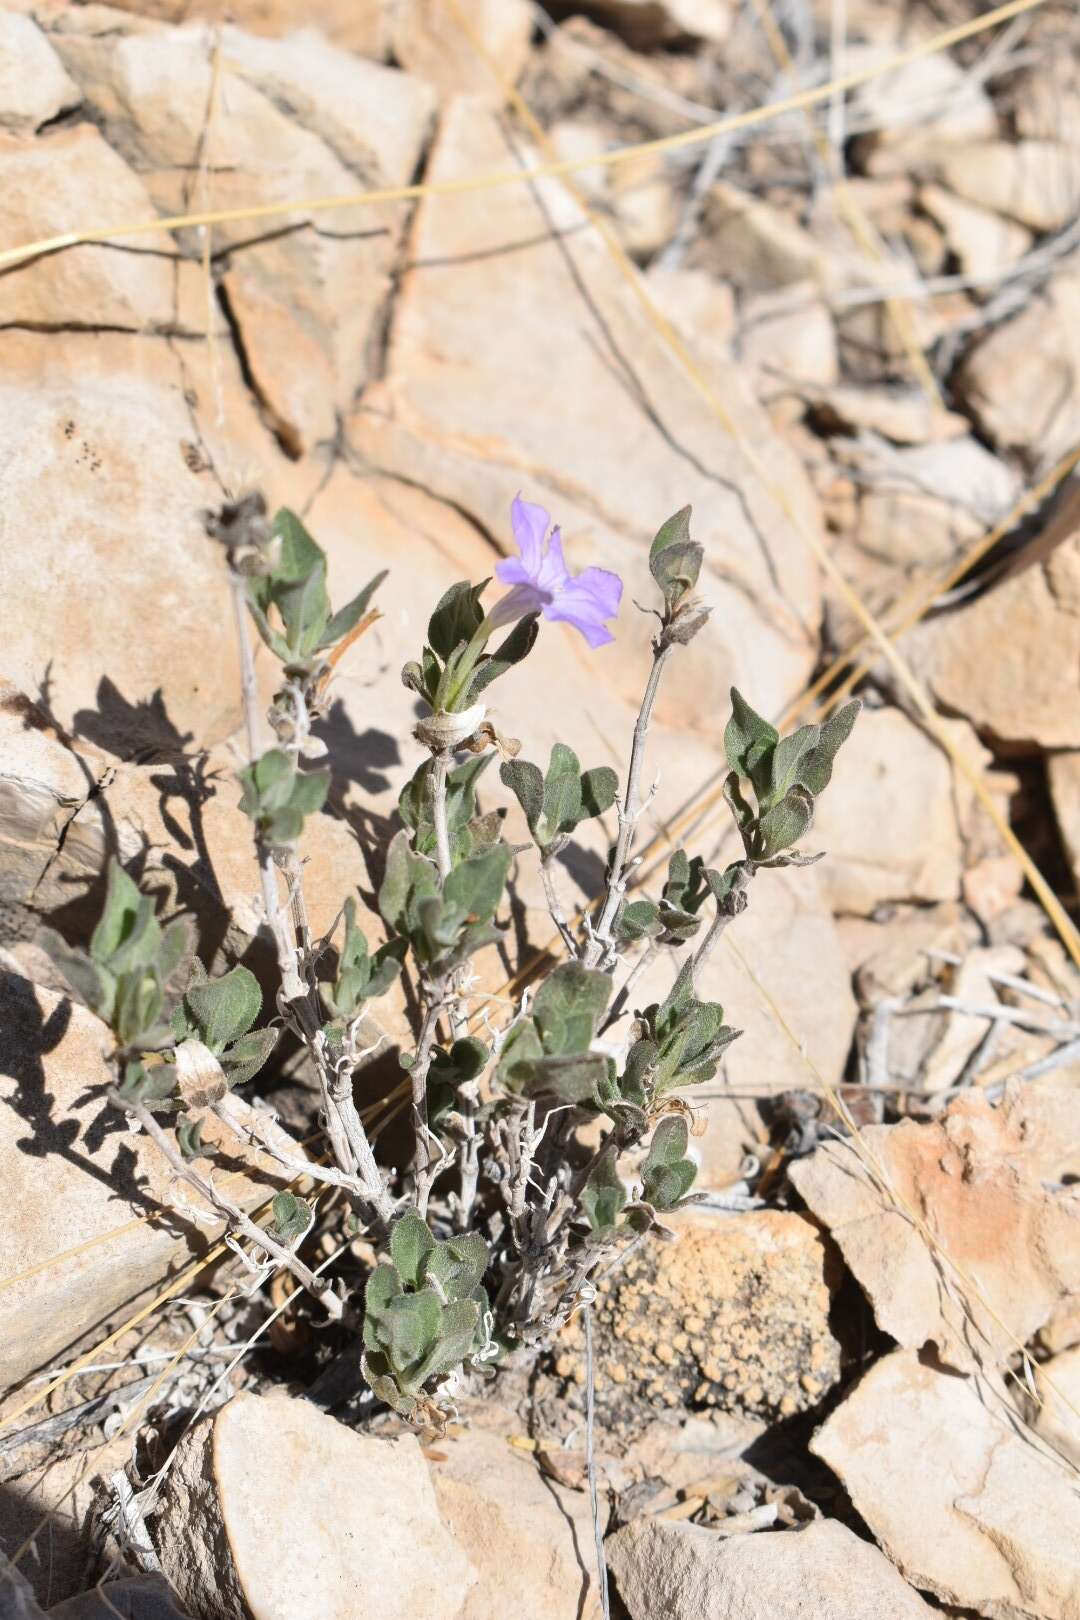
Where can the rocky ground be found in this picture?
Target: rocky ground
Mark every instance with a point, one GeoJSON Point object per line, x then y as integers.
{"type": "Point", "coordinates": [850, 1389]}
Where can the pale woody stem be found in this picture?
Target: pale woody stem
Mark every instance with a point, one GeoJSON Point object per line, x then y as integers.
{"type": "Point", "coordinates": [598, 949]}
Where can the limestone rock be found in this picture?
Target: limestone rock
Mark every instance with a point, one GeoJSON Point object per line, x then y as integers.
{"type": "Point", "coordinates": [921, 504]}
{"type": "Point", "coordinates": [673, 1571]}
{"type": "Point", "coordinates": [1034, 182]}
{"type": "Point", "coordinates": [362, 26]}
{"type": "Point", "coordinates": [790, 340]}
{"type": "Point", "coordinates": [1019, 380]}
{"type": "Point", "coordinates": [734, 1317]}
{"type": "Point", "coordinates": [51, 1496]}
{"type": "Point", "coordinates": [1008, 659]}
{"type": "Point", "coordinates": [984, 242]}
{"type": "Point", "coordinates": [486, 349]}
{"type": "Point", "coordinates": [917, 110]}
{"type": "Point", "coordinates": [131, 283]}
{"type": "Point", "coordinates": [963, 1504]}
{"type": "Point", "coordinates": [75, 1175]}
{"type": "Point", "coordinates": [429, 40]}
{"type": "Point", "coordinates": [904, 415]}
{"type": "Point", "coordinates": [138, 1597]}
{"type": "Point", "coordinates": [100, 469]}
{"type": "Point", "coordinates": [985, 1181]}
{"type": "Point", "coordinates": [1055, 1419]}
{"type": "Point", "coordinates": [245, 1533]}
{"type": "Point", "coordinates": [754, 244]}
{"type": "Point", "coordinates": [33, 85]}
{"type": "Point", "coordinates": [888, 823]}
{"type": "Point", "coordinates": [526, 1536]}
{"type": "Point", "coordinates": [149, 91]}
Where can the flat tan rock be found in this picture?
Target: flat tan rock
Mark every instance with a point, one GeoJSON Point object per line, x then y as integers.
{"type": "Point", "coordinates": [1055, 1418]}
{"type": "Point", "coordinates": [527, 1537]}
{"type": "Point", "coordinates": [1018, 379]}
{"type": "Point", "coordinates": [1036, 182]}
{"type": "Point", "coordinates": [274, 1511]}
{"type": "Point", "coordinates": [988, 1183]}
{"type": "Point", "coordinates": [1063, 774]}
{"type": "Point", "coordinates": [33, 85]}
{"type": "Point", "coordinates": [887, 821]}
{"type": "Point", "coordinates": [672, 1571]}
{"type": "Point", "coordinates": [984, 242]}
{"type": "Point", "coordinates": [429, 41]}
{"type": "Point", "coordinates": [1008, 659]}
{"type": "Point", "coordinates": [962, 1503]}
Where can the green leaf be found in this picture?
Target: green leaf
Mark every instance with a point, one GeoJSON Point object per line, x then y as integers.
{"type": "Point", "coordinates": [782, 826]}
{"type": "Point", "coordinates": [457, 1337]}
{"type": "Point", "coordinates": [139, 1005]}
{"type": "Point", "coordinates": [749, 741]}
{"type": "Point", "coordinates": [189, 1137]}
{"type": "Point", "coordinates": [411, 1325]}
{"type": "Point", "coordinates": [298, 553]}
{"type": "Point", "coordinates": [519, 1050]}
{"type": "Point", "coordinates": [526, 783]}
{"type": "Point", "coordinates": [598, 789]}
{"type": "Point", "coordinates": [176, 952]}
{"type": "Point", "coordinates": [292, 1217]}
{"type": "Point", "coordinates": [665, 1185]}
{"type": "Point", "coordinates": [604, 1194]}
{"type": "Point", "coordinates": [305, 609]}
{"type": "Point", "coordinates": [637, 919]}
{"type": "Point", "coordinates": [562, 790]}
{"type": "Point", "coordinates": [475, 887]}
{"type": "Point", "coordinates": [574, 1077]}
{"type": "Point", "coordinates": [674, 559]}
{"type": "Point", "coordinates": [224, 1009]}
{"type": "Point", "coordinates": [246, 1056]}
{"type": "Point", "coordinates": [410, 1244]}
{"type": "Point", "coordinates": [383, 1286]}
{"type": "Point", "coordinates": [670, 1141]}
{"type": "Point", "coordinates": [122, 902]}
{"type": "Point", "coordinates": [457, 617]}
{"type": "Point", "coordinates": [408, 879]}
{"type": "Point", "coordinates": [815, 770]}
{"type": "Point", "coordinates": [346, 618]}
{"type": "Point", "coordinates": [457, 1265]}
{"type": "Point", "coordinates": [518, 644]}
{"type": "Point", "coordinates": [568, 1007]}
{"type": "Point", "coordinates": [94, 986]}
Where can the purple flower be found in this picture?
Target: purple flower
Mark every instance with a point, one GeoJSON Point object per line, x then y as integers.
{"type": "Point", "coordinates": [541, 582]}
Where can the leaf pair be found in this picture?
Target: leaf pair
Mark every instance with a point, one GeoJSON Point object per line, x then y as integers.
{"type": "Point", "coordinates": [675, 919]}
{"type": "Point", "coordinates": [220, 1013]}
{"type": "Point", "coordinates": [666, 1177]}
{"type": "Point", "coordinates": [454, 668]}
{"type": "Point", "coordinates": [134, 969]}
{"type": "Point", "coordinates": [278, 797]}
{"type": "Point", "coordinates": [444, 923]}
{"type": "Point", "coordinates": [555, 803]}
{"type": "Point", "coordinates": [424, 1310]}
{"type": "Point", "coordinates": [675, 564]}
{"type": "Point", "coordinates": [682, 1043]}
{"type": "Point", "coordinates": [786, 773]}
{"type": "Point", "coordinates": [548, 1053]}
{"type": "Point", "coordinates": [294, 590]}
{"type": "Point", "coordinates": [361, 975]}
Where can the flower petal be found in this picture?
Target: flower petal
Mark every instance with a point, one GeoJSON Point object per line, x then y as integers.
{"type": "Point", "coordinates": [530, 524]}
{"type": "Point", "coordinates": [604, 587]}
{"type": "Point", "coordinates": [512, 571]}
{"type": "Point", "coordinates": [595, 633]}
{"type": "Point", "coordinates": [553, 574]}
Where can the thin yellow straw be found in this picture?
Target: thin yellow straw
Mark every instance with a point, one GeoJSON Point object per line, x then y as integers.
{"type": "Point", "coordinates": [515, 177]}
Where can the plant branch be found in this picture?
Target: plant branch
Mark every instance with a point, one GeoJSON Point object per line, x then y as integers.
{"type": "Point", "coordinates": [599, 948]}
{"type": "Point", "coordinates": [555, 906]}
{"type": "Point", "coordinates": [225, 1207]}
{"type": "Point", "coordinates": [733, 904]}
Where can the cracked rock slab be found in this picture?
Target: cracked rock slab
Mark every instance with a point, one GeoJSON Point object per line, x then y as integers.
{"type": "Point", "coordinates": [961, 1501]}
{"type": "Point", "coordinates": [992, 1185]}
{"type": "Point", "coordinates": [273, 1510]}
{"type": "Point", "coordinates": [33, 85]}
{"type": "Point", "coordinates": [673, 1571]}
